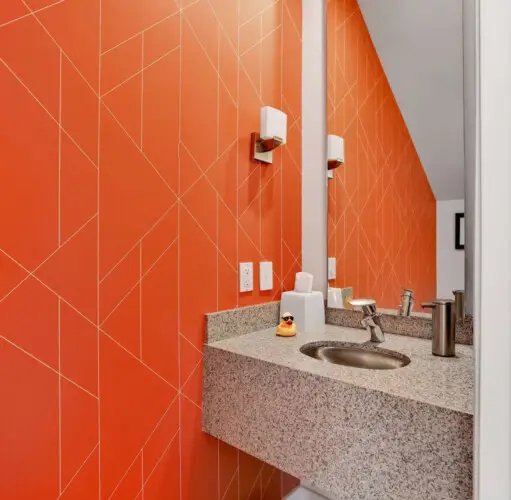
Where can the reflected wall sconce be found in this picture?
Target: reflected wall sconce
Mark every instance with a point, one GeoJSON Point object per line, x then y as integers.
{"type": "Point", "coordinates": [335, 151]}
{"type": "Point", "coordinates": [273, 134]}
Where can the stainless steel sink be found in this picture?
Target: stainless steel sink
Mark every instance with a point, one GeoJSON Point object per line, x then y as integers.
{"type": "Point", "coordinates": [355, 355]}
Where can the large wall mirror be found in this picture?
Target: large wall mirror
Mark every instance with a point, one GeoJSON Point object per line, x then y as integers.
{"type": "Point", "coordinates": [396, 100]}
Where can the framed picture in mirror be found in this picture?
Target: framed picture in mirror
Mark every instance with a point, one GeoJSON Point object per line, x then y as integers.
{"type": "Point", "coordinates": [459, 231]}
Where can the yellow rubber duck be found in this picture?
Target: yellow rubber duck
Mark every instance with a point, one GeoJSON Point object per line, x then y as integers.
{"type": "Point", "coordinates": [286, 328]}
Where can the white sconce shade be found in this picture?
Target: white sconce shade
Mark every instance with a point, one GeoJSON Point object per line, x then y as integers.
{"type": "Point", "coordinates": [335, 151]}
{"type": "Point", "coordinates": [273, 124]}
{"type": "Point", "coordinates": [273, 134]}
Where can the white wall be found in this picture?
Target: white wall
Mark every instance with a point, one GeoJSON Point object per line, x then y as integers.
{"type": "Point", "coordinates": [314, 194]}
{"type": "Point", "coordinates": [420, 45]}
{"type": "Point", "coordinates": [450, 263]}
{"type": "Point", "coordinates": [469, 103]}
{"type": "Point", "coordinates": [493, 253]}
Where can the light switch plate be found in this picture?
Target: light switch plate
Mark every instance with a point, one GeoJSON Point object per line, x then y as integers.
{"type": "Point", "coordinates": [332, 266]}
{"type": "Point", "coordinates": [265, 276]}
{"type": "Point", "coordinates": [246, 276]}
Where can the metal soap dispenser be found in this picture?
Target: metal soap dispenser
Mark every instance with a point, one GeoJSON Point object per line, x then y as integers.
{"type": "Point", "coordinates": [444, 326]}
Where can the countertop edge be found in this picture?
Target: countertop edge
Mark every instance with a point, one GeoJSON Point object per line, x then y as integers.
{"type": "Point", "coordinates": [319, 376]}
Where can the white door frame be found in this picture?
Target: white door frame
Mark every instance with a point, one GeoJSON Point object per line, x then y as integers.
{"type": "Point", "coordinates": [493, 254]}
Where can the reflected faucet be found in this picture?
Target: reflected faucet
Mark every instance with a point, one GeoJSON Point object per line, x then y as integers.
{"type": "Point", "coordinates": [371, 319]}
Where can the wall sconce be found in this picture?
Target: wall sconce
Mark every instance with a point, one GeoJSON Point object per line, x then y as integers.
{"type": "Point", "coordinates": [335, 151]}
{"type": "Point", "coordinates": [273, 134]}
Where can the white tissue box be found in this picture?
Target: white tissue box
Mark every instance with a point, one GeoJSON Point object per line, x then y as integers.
{"type": "Point", "coordinates": [308, 310]}
{"type": "Point", "coordinates": [303, 282]}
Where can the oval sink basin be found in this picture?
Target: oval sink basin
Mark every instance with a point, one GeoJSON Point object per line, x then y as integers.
{"type": "Point", "coordinates": [355, 355]}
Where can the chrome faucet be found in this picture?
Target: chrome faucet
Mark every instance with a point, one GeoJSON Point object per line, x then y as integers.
{"type": "Point", "coordinates": [371, 319]}
{"type": "Point", "coordinates": [407, 300]}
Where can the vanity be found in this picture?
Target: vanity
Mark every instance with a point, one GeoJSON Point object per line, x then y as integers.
{"type": "Point", "coordinates": [354, 432]}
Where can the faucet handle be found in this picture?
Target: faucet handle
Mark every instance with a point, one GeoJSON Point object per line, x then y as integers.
{"type": "Point", "coordinates": [368, 306]}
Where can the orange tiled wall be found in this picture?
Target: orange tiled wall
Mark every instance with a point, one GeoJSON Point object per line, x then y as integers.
{"type": "Point", "coordinates": [127, 199]}
{"type": "Point", "coordinates": [381, 210]}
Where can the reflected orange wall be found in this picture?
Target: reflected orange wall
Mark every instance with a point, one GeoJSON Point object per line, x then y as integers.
{"type": "Point", "coordinates": [127, 200]}
{"type": "Point", "coordinates": [381, 210]}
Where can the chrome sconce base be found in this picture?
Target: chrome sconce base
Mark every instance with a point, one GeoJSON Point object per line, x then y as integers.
{"type": "Point", "coordinates": [262, 148]}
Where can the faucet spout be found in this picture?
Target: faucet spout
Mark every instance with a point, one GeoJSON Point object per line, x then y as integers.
{"type": "Point", "coordinates": [371, 320]}
{"type": "Point", "coordinates": [373, 326]}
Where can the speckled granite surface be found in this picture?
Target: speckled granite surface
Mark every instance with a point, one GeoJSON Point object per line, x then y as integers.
{"type": "Point", "coordinates": [357, 434]}
{"type": "Point", "coordinates": [465, 330]}
{"type": "Point", "coordinates": [234, 322]}
{"type": "Point", "coordinates": [417, 325]}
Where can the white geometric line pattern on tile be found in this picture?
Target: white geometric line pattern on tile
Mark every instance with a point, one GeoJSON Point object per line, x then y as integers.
{"type": "Point", "coordinates": [207, 235]}
{"type": "Point", "coordinates": [139, 282]}
{"type": "Point", "coordinates": [190, 343]}
{"type": "Point", "coordinates": [180, 413]}
{"type": "Point", "coordinates": [78, 471]}
{"type": "Point", "coordinates": [210, 61]}
{"type": "Point", "coordinates": [140, 71]}
{"type": "Point", "coordinates": [236, 218]}
{"type": "Point", "coordinates": [161, 458]}
{"type": "Point", "coordinates": [258, 14]}
{"type": "Point", "coordinates": [218, 97]}
{"type": "Point", "coordinates": [270, 33]}
{"type": "Point", "coordinates": [260, 192]}
{"type": "Point", "coordinates": [269, 480]}
{"type": "Point", "coordinates": [125, 474]}
{"type": "Point", "coordinates": [174, 401]}
{"type": "Point", "coordinates": [60, 141]}
{"type": "Point", "coordinates": [195, 368]}
{"type": "Point", "coordinates": [208, 168]}
{"type": "Point", "coordinates": [293, 21]}
{"type": "Point", "coordinates": [33, 13]}
{"type": "Point", "coordinates": [258, 93]}
{"type": "Point", "coordinates": [183, 395]}
{"type": "Point", "coordinates": [222, 497]}
{"type": "Point", "coordinates": [47, 366]}
{"type": "Point", "coordinates": [217, 254]}
{"type": "Point", "coordinates": [258, 478]}
{"type": "Point", "coordinates": [30, 13]}
{"type": "Point", "coordinates": [141, 361]}
{"type": "Point", "coordinates": [238, 56]}
{"type": "Point", "coordinates": [138, 242]}
{"type": "Point", "coordinates": [138, 147]}
{"type": "Point", "coordinates": [60, 398]}
{"type": "Point", "coordinates": [371, 153]}
{"type": "Point", "coordinates": [280, 286]}
{"type": "Point", "coordinates": [261, 255]}
{"type": "Point", "coordinates": [49, 114]}
{"type": "Point", "coordinates": [151, 163]}
{"type": "Point", "coordinates": [98, 348]}
{"type": "Point", "coordinates": [140, 299]}
{"type": "Point", "coordinates": [142, 474]}
{"type": "Point", "coordinates": [140, 32]}
{"type": "Point", "coordinates": [31, 274]}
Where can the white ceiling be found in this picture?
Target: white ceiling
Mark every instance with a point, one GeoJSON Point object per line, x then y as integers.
{"type": "Point", "coordinates": [420, 45]}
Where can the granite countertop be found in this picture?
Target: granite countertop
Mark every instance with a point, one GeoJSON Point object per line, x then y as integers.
{"type": "Point", "coordinates": [442, 382]}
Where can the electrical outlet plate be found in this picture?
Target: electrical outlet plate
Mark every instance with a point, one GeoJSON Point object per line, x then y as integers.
{"type": "Point", "coordinates": [246, 276]}
{"type": "Point", "coordinates": [265, 276]}
{"type": "Point", "coordinates": [332, 265]}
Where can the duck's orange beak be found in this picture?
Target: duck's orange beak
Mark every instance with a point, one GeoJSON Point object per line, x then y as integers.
{"type": "Point", "coordinates": [289, 322]}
